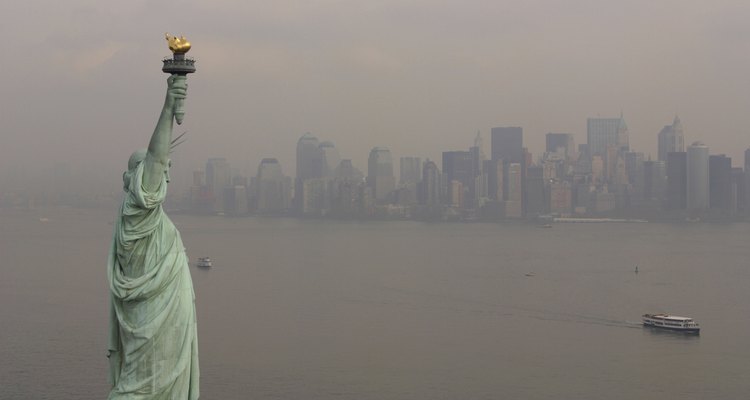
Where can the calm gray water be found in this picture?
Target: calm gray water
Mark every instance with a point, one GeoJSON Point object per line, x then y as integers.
{"type": "Point", "coordinates": [396, 310]}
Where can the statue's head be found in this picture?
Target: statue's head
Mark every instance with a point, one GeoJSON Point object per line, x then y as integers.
{"type": "Point", "coordinates": [136, 158]}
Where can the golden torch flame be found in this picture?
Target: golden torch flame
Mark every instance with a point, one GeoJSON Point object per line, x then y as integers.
{"type": "Point", "coordinates": [178, 45]}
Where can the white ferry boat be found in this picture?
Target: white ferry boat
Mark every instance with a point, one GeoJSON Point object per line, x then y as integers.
{"type": "Point", "coordinates": [204, 262]}
{"type": "Point", "coordinates": [671, 322]}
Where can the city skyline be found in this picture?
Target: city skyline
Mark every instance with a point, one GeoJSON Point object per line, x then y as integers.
{"type": "Point", "coordinates": [601, 177]}
{"type": "Point", "coordinates": [417, 77]}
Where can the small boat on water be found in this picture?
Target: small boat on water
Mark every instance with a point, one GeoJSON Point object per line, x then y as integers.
{"type": "Point", "coordinates": [671, 322]}
{"type": "Point", "coordinates": [529, 274]}
{"type": "Point", "coordinates": [204, 262]}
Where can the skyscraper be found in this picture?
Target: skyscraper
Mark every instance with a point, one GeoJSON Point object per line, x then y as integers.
{"type": "Point", "coordinates": [271, 187]}
{"type": "Point", "coordinates": [720, 182]}
{"type": "Point", "coordinates": [634, 171]}
{"type": "Point", "coordinates": [410, 170]}
{"type": "Point", "coordinates": [561, 143]}
{"type": "Point", "coordinates": [507, 144]}
{"type": "Point", "coordinates": [430, 186]}
{"type": "Point", "coordinates": [310, 165]}
{"type": "Point", "coordinates": [513, 192]}
{"type": "Point", "coordinates": [739, 190]}
{"type": "Point", "coordinates": [697, 177]}
{"type": "Point", "coordinates": [380, 173]}
{"type": "Point", "coordinates": [331, 158]}
{"type": "Point", "coordinates": [494, 171]}
{"type": "Point", "coordinates": [605, 132]}
{"type": "Point", "coordinates": [671, 139]}
{"type": "Point", "coordinates": [535, 191]}
{"type": "Point", "coordinates": [676, 180]}
{"type": "Point", "coordinates": [460, 166]}
{"type": "Point", "coordinates": [479, 188]}
{"type": "Point", "coordinates": [217, 179]}
{"type": "Point", "coordinates": [654, 181]}
{"type": "Point", "coordinates": [479, 145]}
{"type": "Point", "coordinates": [347, 171]}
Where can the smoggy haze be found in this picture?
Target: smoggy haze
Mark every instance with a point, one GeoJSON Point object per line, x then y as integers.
{"type": "Point", "coordinates": [82, 83]}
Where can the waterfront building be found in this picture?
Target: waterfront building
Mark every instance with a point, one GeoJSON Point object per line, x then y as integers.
{"type": "Point", "coordinates": [634, 173]}
{"type": "Point", "coordinates": [561, 198]}
{"type": "Point", "coordinates": [479, 146]}
{"type": "Point", "coordinates": [310, 165]}
{"type": "Point", "coordinates": [429, 193]}
{"type": "Point", "coordinates": [380, 173]}
{"type": "Point", "coordinates": [654, 181]}
{"type": "Point", "coordinates": [513, 191]}
{"type": "Point", "coordinates": [671, 139]}
{"type": "Point", "coordinates": [582, 198]}
{"type": "Point", "coordinates": [345, 199]}
{"type": "Point", "coordinates": [536, 202]}
{"type": "Point", "coordinates": [697, 177]}
{"type": "Point", "coordinates": [271, 188]}
{"type": "Point", "coordinates": [460, 166]}
{"type": "Point", "coordinates": [739, 191]}
{"type": "Point", "coordinates": [410, 169]}
{"type": "Point", "coordinates": [455, 194]}
{"type": "Point", "coordinates": [720, 183]}
{"type": "Point", "coordinates": [217, 179]}
{"type": "Point", "coordinates": [201, 199]}
{"type": "Point", "coordinates": [603, 201]}
{"type": "Point", "coordinates": [235, 200]}
{"type": "Point", "coordinates": [315, 198]}
{"type": "Point", "coordinates": [597, 170]}
{"type": "Point", "coordinates": [494, 171]}
{"type": "Point", "coordinates": [676, 181]}
{"type": "Point", "coordinates": [479, 187]}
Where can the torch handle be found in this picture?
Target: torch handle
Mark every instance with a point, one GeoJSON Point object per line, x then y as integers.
{"type": "Point", "coordinates": [179, 111]}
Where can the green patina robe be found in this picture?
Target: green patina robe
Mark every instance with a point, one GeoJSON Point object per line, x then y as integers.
{"type": "Point", "coordinates": [153, 346]}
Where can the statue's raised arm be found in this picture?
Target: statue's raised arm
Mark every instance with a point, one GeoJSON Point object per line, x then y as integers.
{"type": "Point", "coordinates": [156, 161]}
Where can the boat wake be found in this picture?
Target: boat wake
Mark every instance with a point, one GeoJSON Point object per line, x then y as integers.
{"type": "Point", "coordinates": [460, 304]}
{"type": "Point", "coordinates": [585, 319]}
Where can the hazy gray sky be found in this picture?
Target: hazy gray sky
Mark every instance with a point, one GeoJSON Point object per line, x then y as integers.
{"type": "Point", "coordinates": [81, 80]}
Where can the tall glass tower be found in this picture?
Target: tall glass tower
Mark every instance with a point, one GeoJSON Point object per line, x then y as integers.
{"type": "Point", "coordinates": [380, 173]}
{"type": "Point", "coordinates": [603, 133]}
{"type": "Point", "coordinates": [697, 177]}
{"type": "Point", "coordinates": [671, 139]}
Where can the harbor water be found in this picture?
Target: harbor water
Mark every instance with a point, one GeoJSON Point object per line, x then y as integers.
{"type": "Point", "coordinates": [302, 309]}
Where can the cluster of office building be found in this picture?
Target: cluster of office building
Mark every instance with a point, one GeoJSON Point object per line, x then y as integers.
{"type": "Point", "coordinates": [603, 177]}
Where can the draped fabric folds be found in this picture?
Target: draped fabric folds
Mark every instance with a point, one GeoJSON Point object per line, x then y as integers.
{"type": "Point", "coordinates": [153, 343]}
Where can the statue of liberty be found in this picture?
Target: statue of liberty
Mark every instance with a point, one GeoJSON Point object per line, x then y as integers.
{"type": "Point", "coordinates": [153, 343]}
